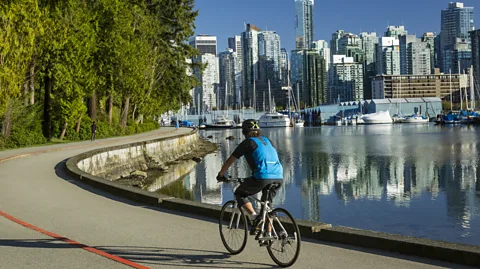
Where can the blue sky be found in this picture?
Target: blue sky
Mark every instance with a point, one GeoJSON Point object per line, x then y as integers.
{"type": "Point", "coordinates": [225, 18]}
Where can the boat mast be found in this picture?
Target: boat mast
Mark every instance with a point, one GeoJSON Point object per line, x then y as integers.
{"type": "Point", "coordinates": [269, 98]}
{"type": "Point", "coordinates": [472, 92]}
{"type": "Point", "coordinates": [254, 97]}
{"type": "Point", "coordinates": [460, 86]}
{"type": "Point", "coordinates": [451, 96]}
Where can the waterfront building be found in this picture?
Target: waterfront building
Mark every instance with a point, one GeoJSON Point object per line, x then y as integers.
{"type": "Point", "coordinates": [388, 56]}
{"type": "Point", "coordinates": [250, 61]}
{"type": "Point", "coordinates": [304, 24]}
{"type": "Point", "coordinates": [284, 66]}
{"type": "Point", "coordinates": [269, 54]}
{"type": "Point", "coordinates": [347, 80]}
{"type": "Point", "coordinates": [417, 86]}
{"type": "Point", "coordinates": [204, 43]}
{"type": "Point", "coordinates": [369, 43]}
{"type": "Point", "coordinates": [430, 38]}
{"type": "Point", "coordinates": [226, 89]}
{"type": "Point", "coordinates": [475, 44]}
{"type": "Point", "coordinates": [456, 22]}
{"type": "Point", "coordinates": [322, 47]}
{"type": "Point", "coordinates": [206, 92]}
{"type": "Point", "coordinates": [414, 56]}
{"type": "Point", "coordinates": [310, 79]}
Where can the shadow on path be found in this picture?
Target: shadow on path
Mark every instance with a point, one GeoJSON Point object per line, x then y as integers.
{"type": "Point", "coordinates": [180, 257]}
{"type": "Point", "coordinates": [36, 243]}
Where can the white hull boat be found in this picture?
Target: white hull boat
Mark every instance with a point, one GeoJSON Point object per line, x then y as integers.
{"type": "Point", "coordinates": [415, 119]}
{"type": "Point", "coordinates": [300, 123]}
{"type": "Point", "coordinates": [381, 117]}
{"type": "Point", "coordinates": [268, 120]}
{"type": "Point", "coordinates": [221, 122]}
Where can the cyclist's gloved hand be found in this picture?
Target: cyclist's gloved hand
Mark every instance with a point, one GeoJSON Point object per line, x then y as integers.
{"type": "Point", "coordinates": [221, 178]}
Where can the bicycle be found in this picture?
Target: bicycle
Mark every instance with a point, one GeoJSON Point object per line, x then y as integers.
{"type": "Point", "coordinates": [278, 234]}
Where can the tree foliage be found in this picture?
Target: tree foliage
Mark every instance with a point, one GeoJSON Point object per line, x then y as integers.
{"type": "Point", "coordinates": [128, 58]}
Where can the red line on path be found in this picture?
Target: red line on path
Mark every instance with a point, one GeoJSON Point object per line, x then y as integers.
{"type": "Point", "coordinates": [72, 242]}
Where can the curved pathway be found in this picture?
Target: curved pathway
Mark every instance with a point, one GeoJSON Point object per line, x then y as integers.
{"type": "Point", "coordinates": [48, 220]}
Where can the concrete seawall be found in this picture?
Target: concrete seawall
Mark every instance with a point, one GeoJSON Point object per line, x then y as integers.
{"type": "Point", "coordinates": [99, 167]}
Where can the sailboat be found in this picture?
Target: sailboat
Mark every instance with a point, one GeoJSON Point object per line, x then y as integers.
{"type": "Point", "coordinates": [273, 118]}
{"type": "Point", "coordinates": [297, 121]}
{"type": "Point", "coordinates": [222, 121]}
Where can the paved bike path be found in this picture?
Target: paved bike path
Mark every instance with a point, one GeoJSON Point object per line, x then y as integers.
{"type": "Point", "coordinates": [36, 191]}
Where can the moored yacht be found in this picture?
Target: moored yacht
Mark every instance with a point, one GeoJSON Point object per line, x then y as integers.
{"type": "Point", "coordinates": [273, 119]}
{"type": "Point", "coordinates": [381, 117]}
{"type": "Point", "coordinates": [221, 122]}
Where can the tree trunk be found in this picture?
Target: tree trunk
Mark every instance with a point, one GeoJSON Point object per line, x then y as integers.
{"type": "Point", "coordinates": [79, 122]}
{"type": "Point", "coordinates": [63, 131]}
{"type": "Point", "coordinates": [47, 105]}
{"type": "Point", "coordinates": [7, 121]}
{"type": "Point", "coordinates": [134, 109]}
{"type": "Point", "coordinates": [124, 115]}
{"type": "Point", "coordinates": [32, 80]}
{"type": "Point", "coordinates": [93, 106]}
{"type": "Point", "coordinates": [25, 90]}
{"type": "Point", "coordinates": [110, 109]}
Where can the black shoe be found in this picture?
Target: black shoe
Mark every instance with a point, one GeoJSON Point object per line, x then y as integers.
{"type": "Point", "coordinates": [253, 225]}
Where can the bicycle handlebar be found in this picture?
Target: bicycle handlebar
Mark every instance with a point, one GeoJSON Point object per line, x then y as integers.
{"type": "Point", "coordinates": [230, 179]}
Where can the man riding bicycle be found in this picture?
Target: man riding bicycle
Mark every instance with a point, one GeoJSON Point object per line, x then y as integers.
{"type": "Point", "coordinates": [263, 160]}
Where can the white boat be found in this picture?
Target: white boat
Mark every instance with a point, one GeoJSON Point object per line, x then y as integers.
{"type": "Point", "coordinates": [273, 119]}
{"type": "Point", "coordinates": [221, 122]}
{"type": "Point", "coordinates": [415, 119]}
{"type": "Point", "coordinates": [381, 117]}
{"type": "Point", "coordinates": [300, 123]}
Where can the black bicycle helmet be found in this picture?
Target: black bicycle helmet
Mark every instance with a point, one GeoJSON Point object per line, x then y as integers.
{"type": "Point", "coordinates": [250, 125]}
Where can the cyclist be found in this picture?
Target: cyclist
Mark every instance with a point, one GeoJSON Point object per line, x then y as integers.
{"type": "Point", "coordinates": [263, 160]}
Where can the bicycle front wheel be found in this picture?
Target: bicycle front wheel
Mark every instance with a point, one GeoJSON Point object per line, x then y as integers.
{"type": "Point", "coordinates": [285, 247]}
{"type": "Point", "coordinates": [233, 227]}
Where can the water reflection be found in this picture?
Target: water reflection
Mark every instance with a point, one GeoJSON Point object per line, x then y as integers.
{"type": "Point", "coordinates": [413, 180]}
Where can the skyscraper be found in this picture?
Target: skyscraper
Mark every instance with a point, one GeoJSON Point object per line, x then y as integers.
{"type": "Point", "coordinates": [347, 80]}
{"type": "Point", "coordinates": [227, 78]}
{"type": "Point", "coordinates": [284, 67]}
{"type": "Point", "coordinates": [269, 56]}
{"type": "Point", "coordinates": [429, 38]}
{"type": "Point", "coordinates": [206, 92]}
{"type": "Point", "coordinates": [388, 56]}
{"type": "Point", "coordinates": [304, 23]}
{"type": "Point", "coordinates": [395, 31]}
{"type": "Point", "coordinates": [369, 43]}
{"type": "Point", "coordinates": [204, 43]}
{"type": "Point", "coordinates": [334, 41]}
{"type": "Point", "coordinates": [250, 61]}
{"type": "Point", "coordinates": [475, 41]}
{"type": "Point", "coordinates": [456, 22]}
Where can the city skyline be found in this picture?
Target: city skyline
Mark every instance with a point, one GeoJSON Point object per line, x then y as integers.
{"type": "Point", "coordinates": [411, 14]}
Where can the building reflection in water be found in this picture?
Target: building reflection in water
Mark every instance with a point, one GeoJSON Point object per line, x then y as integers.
{"type": "Point", "coordinates": [406, 179]}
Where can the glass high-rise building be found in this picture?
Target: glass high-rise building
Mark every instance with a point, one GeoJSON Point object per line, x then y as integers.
{"type": "Point", "coordinates": [204, 43]}
{"type": "Point", "coordinates": [456, 22]}
{"type": "Point", "coordinates": [284, 67]}
{"type": "Point", "coordinates": [269, 56]}
{"type": "Point", "coordinates": [475, 41]}
{"type": "Point", "coordinates": [250, 61]}
{"type": "Point", "coordinates": [304, 24]}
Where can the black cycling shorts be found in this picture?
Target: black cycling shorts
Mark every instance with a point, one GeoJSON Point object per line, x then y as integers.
{"type": "Point", "coordinates": [251, 186]}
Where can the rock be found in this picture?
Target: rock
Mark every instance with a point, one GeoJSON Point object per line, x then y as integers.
{"type": "Point", "coordinates": [210, 136]}
{"type": "Point", "coordinates": [197, 159]}
{"type": "Point", "coordinates": [231, 137]}
{"type": "Point", "coordinates": [139, 174]}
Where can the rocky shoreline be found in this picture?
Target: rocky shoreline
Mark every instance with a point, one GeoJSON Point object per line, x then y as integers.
{"type": "Point", "coordinates": [144, 178]}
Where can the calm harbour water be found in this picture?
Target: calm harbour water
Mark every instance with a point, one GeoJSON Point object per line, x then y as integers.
{"type": "Point", "coordinates": [416, 180]}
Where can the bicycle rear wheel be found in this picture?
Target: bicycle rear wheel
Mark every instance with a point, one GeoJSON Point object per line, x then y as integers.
{"type": "Point", "coordinates": [233, 227]}
{"type": "Point", "coordinates": [285, 247]}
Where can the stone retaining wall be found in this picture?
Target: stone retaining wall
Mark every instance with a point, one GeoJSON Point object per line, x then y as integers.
{"type": "Point", "coordinates": [113, 163]}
